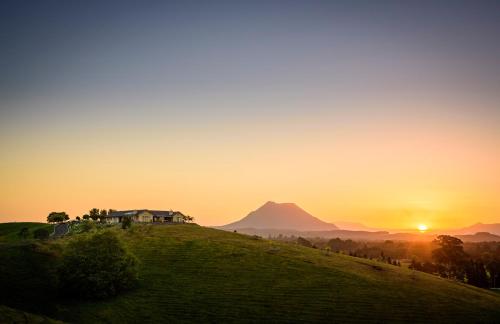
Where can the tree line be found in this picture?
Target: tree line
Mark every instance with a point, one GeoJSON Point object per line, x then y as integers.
{"type": "Point", "coordinates": [94, 214]}
{"type": "Point", "coordinates": [473, 263]}
{"type": "Point", "coordinates": [450, 260]}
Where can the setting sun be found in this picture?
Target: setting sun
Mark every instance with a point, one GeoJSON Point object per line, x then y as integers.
{"type": "Point", "coordinates": [422, 227]}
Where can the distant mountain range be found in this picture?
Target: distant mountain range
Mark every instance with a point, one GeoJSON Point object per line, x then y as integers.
{"type": "Point", "coordinates": [476, 228]}
{"type": "Point", "coordinates": [282, 216]}
{"type": "Point", "coordinates": [272, 219]}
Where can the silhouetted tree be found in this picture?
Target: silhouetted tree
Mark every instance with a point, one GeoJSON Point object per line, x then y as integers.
{"type": "Point", "coordinates": [450, 256]}
{"type": "Point", "coordinates": [102, 215]}
{"type": "Point", "coordinates": [57, 217]}
{"type": "Point", "coordinates": [94, 214]}
{"type": "Point", "coordinates": [476, 274]}
{"type": "Point", "coordinates": [302, 241]}
{"type": "Point", "coordinates": [187, 218]}
{"type": "Point", "coordinates": [86, 217]}
{"type": "Point", "coordinates": [493, 268]}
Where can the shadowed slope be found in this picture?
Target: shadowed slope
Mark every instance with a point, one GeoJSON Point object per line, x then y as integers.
{"type": "Point", "coordinates": [191, 273]}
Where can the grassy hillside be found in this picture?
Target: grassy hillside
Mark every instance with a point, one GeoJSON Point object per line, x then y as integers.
{"type": "Point", "coordinates": [10, 315]}
{"type": "Point", "coordinates": [191, 273]}
{"type": "Point", "coordinates": [9, 231]}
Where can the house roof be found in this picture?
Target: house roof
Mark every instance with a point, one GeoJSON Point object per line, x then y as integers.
{"type": "Point", "coordinates": [134, 212]}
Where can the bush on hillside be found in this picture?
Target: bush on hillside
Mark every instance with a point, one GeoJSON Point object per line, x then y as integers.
{"type": "Point", "coordinates": [302, 241]}
{"type": "Point", "coordinates": [41, 234]}
{"type": "Point", "coordinates": [83, 227]}
{"type": "Point", "coordinates": [24, 233]}
{"type": "Point", "coordinates": [86, 226]}
{"type": "Point", "coordinates": [97, 267]}
{"type": "Point", "coordinates": [126, 222]}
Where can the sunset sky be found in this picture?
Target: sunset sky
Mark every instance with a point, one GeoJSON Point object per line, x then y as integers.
{"type": "Point", "coordinates": [380, 112]}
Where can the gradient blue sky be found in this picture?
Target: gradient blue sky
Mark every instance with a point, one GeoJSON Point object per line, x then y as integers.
{"type": "Point", "coordinates": [281, 89]}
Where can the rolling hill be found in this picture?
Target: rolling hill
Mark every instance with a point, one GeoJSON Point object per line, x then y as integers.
{"type": "Point", "coordinates": [10, 315]}
{"type": "Point", "coordinates": [190, 273]}
{"type": "Point", "coordinates": [478, 228]}
{"type": "Point", "coordinates": [9, 231]}
{"type": "Point", "coordinates": [286, 216]}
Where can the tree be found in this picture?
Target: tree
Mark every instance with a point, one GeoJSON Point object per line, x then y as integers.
{"type": "Point", "coordinates": [493, 267]}
{"type": "Point", "coordinates": [126, 222]}
{"type": "Point", "coordinates": [187, 218]}
{"type": "Point", "coordinates": [41, 234]}
{"type": "Point", "coordinates": [476, 274]}
{"type": "Point", "coordinates": [102, 215]}
{"type": "Point", "coordinates": [78, 218]}
{"type": "Point", "coordinates": [86, 217]}
{"type": "Point", "coordinates": [97, 267]}
{"type": "Point", "coordinates": [57, 217]}
{"type": "Point", "coordinates": [450, 256]}
{"type": "Point", "coordinates": [24, 233]}
{"type": "Point", "coordinates": [94, 214]}
{"type": "Point", "coordinates": [302, 241]}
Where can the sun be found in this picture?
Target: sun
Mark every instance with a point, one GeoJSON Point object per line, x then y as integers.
{"type": "Point", "coordinates": [422, 227]}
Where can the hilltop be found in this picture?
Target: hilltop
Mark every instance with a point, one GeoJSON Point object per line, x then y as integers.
{"type": "Point", "coordinates": [196, 274]}
{"type": "Point", "coordinates": [478, 228]}
{"type": "Point", "coordinates": [284, 216]}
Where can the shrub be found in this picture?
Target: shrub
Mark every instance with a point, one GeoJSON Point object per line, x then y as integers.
{"type": "Point", "coordinates": [126, 222]}
{"type": "Point", "coordinates": [41, 234]}
{"type": "Point", "coordinates": [302, 241]}
{"type": "Point", "coordinates": [97, 267]}
{"type": "Point", "coordinates": [24, 233]}
{"type": "Point", "coordinates": [83, 227]}
{"type": "Point", "coordinates": [86, 226]}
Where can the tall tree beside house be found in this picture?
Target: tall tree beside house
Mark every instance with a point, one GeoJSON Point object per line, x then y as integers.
{"type": "Point", "coordinates": [57, 217]}
{"type": "Point", "coordinates": [102, 215]}
{"type": "Point", "coordinates": [187, 218]}
{"type": "Point", "coordinates": [94, 214]}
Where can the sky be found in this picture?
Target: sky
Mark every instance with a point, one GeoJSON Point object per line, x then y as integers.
{"type": "Point", "coordinates": [385, 113]}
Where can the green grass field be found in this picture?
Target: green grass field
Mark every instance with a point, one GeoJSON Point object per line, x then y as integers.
{"type": "Point", "coordinates": [190, 273]}
{"type": "Point", "coordinates": [9, 231]}
{"type": "Point", "coordinates": [10, 315]}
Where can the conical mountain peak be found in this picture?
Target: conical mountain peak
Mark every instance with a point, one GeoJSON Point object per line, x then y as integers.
{"type": "Point", "coordinates": [274, 215]}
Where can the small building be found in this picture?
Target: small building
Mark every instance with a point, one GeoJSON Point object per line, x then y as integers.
{"type": "Point", "coordinates": [146, 216]}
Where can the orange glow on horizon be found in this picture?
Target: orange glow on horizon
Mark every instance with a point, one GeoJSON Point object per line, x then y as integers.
{"type": "Point", "coordinates": [384, 176]}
